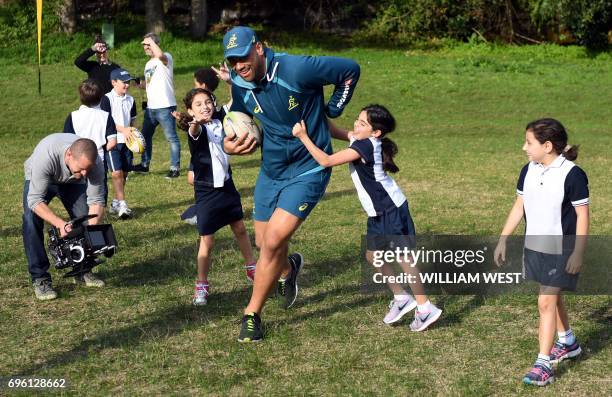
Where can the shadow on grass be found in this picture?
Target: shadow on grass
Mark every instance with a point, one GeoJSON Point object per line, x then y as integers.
{"type": "Point", "coordinates": [450, 318]}
{"type": "Point", "coordinates": [339, 193]}
{"type": "Point", "coordinates": [593, 341]}
{"type": "Point", "coordinates": [165, 323]}
{"type": "Point", "coordinates": [11, 231]}
{"type": "Point", "coordinates": [178, 264]}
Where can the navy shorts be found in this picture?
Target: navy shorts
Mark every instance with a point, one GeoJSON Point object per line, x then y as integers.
{"type": "Point", "coordinates": [394, 228]}
{"type": "Point", "coordinates": [549, 269]}
{"type": "Point", "coordinates": [217, 207]}
{"type": "Point", "coordinates": [298, 195]}
{"type": "Point", "coordinates": [120, 158]}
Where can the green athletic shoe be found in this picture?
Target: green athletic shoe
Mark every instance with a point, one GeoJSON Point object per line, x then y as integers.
{"type": "Point", "coordinates": [250, 330]}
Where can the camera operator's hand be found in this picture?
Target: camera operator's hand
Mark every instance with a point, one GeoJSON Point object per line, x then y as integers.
{"type": "Point", "coordinates": [65, 229]}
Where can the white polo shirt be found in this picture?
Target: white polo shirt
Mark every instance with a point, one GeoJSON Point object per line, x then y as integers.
{"type": "Point", "coordinates": [550, 195]}
{"type": "Point", "coordinates": [122, 108]}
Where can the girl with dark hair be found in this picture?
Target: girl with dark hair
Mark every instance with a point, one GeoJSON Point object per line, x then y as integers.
{"type": "Point", "coordinates": [370, 156]}
{"type": "Point", "coordinates": [553, 197]}
{"type": "Point", "coordinates": [217, 200]}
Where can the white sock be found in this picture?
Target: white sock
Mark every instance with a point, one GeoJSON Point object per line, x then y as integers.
{"type": "Point", "coordinates": [115, 203]}
{"type": "Point", "coordinates": [543, 360]}
{"type": "Point", "coordinates": [425, 307]}
{"type": "Point", "coordinates": [401, 297]}
{"type": "Point", "coordinates": [567, 337]}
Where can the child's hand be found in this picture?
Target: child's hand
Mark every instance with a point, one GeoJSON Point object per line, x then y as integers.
{"type": "Point", "coordinates": [299, 130]}
{"type": "Point", "coordinates": [574, 263]}
{"type": "Point", "coordinates": [499, 255]}
{"type": "Point", "coordinates": [128, 134]}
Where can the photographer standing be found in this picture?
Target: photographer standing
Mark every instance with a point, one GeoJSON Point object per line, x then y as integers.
{"type": "Point", "coordinates": [61, 165]}
{"type": "Point", "coordinates": [100, 70]}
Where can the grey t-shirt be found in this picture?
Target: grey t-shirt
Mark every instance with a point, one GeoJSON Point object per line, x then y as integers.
{"type": "Point", "coordinates": [46, 166]}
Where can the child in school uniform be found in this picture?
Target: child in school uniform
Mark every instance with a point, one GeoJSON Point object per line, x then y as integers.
{"type": "Point", "coordinates": [370, 156]}
{"type": "Point", "coordinates": [217, 200]}
{"type": "Point", "coordinates": [122, 107]}
{"type": "Point", "coordinates": [553, 197]}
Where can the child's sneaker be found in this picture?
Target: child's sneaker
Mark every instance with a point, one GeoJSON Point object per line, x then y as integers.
{"type": "Point", "coordinates": [561, 351]}
{"type": "Point", "coordinates": [250, 331]}
{"type": "Point", "coordinates": [200, 295]}
{"type": "Point", "coordinates": [114, 208]}
{"type": "Point", "coordinates": [250, 271]}
{"type": "Point", "coordinates": [398, 309]}
{"type": "Point", "coordinates": [422, 320]}
{"type": "Point", "coordinates": [540, 375]}
{"type": "Point", "coordinates": [124, 212]}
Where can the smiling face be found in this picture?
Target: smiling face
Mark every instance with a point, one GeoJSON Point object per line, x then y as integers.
{"type": "Point", "coordinates": [120, 87]}
{"type": "Point", "coordinates": [251, 67]}
{"type": "Point", "coordinates": [202, 108]}
{"type": "Point", "coordinates": [362, 129]}
{"type": "Point", "coordinates": [536, 151]}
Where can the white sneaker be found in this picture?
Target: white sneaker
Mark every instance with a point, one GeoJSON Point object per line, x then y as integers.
{"type": "Point", "coordinates": [200, 294]}
{"type": "Point", "coordinates": [113, 209]}
{"type": "Point", "coordinates": [124, 212]}
{"type": "Point", "coordinates": [422, 320]}
{"type": "Point", "coordinates": [398, 309]}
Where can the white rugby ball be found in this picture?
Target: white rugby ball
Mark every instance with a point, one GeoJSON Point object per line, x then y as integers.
{"type": "Point", "coordinates": [137, 143]}
{"type": "Point", "coordinates": [236, 124]}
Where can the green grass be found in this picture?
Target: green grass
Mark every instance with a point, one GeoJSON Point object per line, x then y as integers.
{"type": "Point", "coordinates": [461, 112]}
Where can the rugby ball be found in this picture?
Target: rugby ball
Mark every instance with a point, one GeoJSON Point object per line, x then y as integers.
{"type": "Point", "coordinates": [236, 124]}
{"type": "Point", "coordinates": [137, 143]}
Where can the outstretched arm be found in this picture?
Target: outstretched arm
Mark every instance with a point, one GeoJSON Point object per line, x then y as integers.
{"type": "Point", "coordinates": [337, 132]}
{"type": "Point", "coordinates": [324, 159]}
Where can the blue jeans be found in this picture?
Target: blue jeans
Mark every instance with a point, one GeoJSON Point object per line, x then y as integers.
{"type": "Point", "coordinates": [152, 118]}
{"type": "Point", "coordinates": [74, 199]}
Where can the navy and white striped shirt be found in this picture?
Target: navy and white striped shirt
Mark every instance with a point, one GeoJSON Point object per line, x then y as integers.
{"type": "Point", "coordinates": [93, 123]}
{"type": "Point", "coordinates": [377, 191]}
{"type": "Point", "coordinates": [210, 163]}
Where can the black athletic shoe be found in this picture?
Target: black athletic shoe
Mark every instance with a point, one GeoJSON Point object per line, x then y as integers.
{"type": "Point", "coordinates": [296, 261]}
{"type": "Point", "coordinates": [250, 331]}
{"type": "Point", "coordinates": [141, 169]}
{"type": "Point", "coordinates": [173, 174]}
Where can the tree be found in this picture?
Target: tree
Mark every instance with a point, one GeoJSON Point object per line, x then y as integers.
{"type": "Point", "coordinates": [67, 16]}
{"type": "Point", "coordinates": [199, 18]}
{"type": "Point", "coordinates": [154, 16]}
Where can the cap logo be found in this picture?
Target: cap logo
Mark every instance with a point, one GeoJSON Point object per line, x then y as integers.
{"type": "Point", "coordinates": [232, 42]}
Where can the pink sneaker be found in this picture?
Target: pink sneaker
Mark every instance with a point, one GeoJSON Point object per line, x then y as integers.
{"type": "Point", "coordinates": [200, 295]}
{"type": "Point", "coordinates": [250, 271]}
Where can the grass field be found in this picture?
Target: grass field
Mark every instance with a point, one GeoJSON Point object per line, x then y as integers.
{"type": "Point", "coordinates": [461, 112]}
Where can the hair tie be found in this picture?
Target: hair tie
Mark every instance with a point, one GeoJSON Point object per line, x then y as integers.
{"type": "Point", "coordinates": [567, 148]}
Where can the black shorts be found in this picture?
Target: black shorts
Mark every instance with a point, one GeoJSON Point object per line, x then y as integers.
{"type": "Point", "coordinates": [217, 207]}
{"type": "Point", "coordinates": [392, 229]}
{"type": "Point", "coordinates": [549, 269]}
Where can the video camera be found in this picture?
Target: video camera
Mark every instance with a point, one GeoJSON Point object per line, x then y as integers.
{"type": "Point", "coordinates": [80, 248]}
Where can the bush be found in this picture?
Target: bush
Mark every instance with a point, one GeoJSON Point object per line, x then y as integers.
{"type": "Point", "coordinates": [18, 21]}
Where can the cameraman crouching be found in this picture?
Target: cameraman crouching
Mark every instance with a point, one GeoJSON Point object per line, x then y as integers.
{"type": "Point", "coordinates": [65, 166]}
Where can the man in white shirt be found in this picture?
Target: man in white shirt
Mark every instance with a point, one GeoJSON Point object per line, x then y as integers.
{"type": "Point", "coordinates": [159, 83]}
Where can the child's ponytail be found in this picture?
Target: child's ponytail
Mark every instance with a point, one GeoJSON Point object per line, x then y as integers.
{"type": "Point", "coordinates": [571, 152]}
{"type": "Point", "coordinates": [389, 150]}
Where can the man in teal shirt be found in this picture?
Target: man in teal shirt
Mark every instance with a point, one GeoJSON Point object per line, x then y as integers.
{"type": "Point", "coordinates": [280, 90]}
